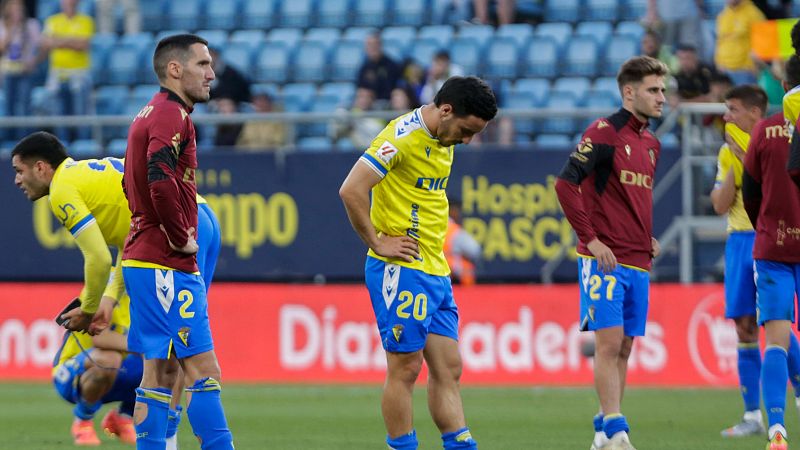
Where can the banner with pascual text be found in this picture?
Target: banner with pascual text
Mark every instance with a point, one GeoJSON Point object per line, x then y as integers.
{"type": "Point", "coordinates": [509, 334]}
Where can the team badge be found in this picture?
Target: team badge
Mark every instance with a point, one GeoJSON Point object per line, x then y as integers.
{"type": "Point", "coordinates": [628, 150]}
{"type": "Point", "coordinates": [602, 124]}
{"type": "Point", "coordinates": [585, 146]}
{"type": "Point", "coordinates": [397, 331]}
{"type": "Point", "coordinates": [183, 333]}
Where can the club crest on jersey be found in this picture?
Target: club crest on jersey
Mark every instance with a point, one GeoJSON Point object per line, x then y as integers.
{"type": "Point", "coordinates": [183, 333]}
{"type": "Point", "coordinates": [628, 150]}
{"type": "Point", "coordinates": [386, 152]}
{"type": "Point", "coordinates": [397, 331]}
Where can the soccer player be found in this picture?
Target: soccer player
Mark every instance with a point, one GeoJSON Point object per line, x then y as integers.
{"type": "Point", "coordinates": [791, 112]}
{"type": "Point", "coordinates": [405, 171]}
{"type": "Point", "coordinates": [606, 192]}
{"type": "Point", "coordinates": [773, 206]}
{"type": "Point", "coordinates": [169, 310]}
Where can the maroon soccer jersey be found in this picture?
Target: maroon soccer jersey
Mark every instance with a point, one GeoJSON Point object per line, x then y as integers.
{"type": "Point", "coordinates": [159, 182]}
{"type": "Point", "coordinates": [606, 187]}
{"type": "Point", "coordinates": [769, 193]}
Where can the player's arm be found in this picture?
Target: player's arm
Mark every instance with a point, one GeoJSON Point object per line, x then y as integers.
{"type": "Point", "coordinates": [111, 340]}
{"type": "Point", "coordinates": [751, 177]}
{"type": "Point", "coordinates": [724, 192]}
{"type": "Point", "coordinates": [355, 192]}
{"type": "Point", "coordinates": [794, 157]}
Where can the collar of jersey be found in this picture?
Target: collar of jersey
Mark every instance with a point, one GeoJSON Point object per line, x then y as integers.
{"type": "Point", "coordinates": [418, 112]}
{"type": "Point", "coordinates": [176, 98]}
{"type": "Point", "coordinates": [635, 123]}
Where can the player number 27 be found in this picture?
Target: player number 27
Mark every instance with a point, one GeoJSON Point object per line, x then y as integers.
{"type": "Point", "coordinates": [419, 310]}
{"type": "Point", "coordinates": [186, 299]}
{"type": "Point", "coordinates": [595, 282]}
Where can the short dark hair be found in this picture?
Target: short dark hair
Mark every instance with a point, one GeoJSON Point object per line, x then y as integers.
{"type": "Point", "coordinates": [469, 96]}
{"type": "Point", "coordinates": [750, 95]}
{"type": "Point", "coordinates": [796, 38]}
{"type": "Point", "coordinates": [792, 70]}
{"type": "Point", "coordinates": [40, 145]}
{"type": "Point", "coordinates": [637, 68]}
{"type": "Point", "coordinates": [173, 47]}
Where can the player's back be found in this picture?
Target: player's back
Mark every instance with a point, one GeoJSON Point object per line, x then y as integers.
{"type": "Point", "coordinates": [737, 216]}
{"type": "Point", "coordinates": [91, 190]}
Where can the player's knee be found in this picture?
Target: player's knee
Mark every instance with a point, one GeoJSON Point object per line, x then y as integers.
{"type": "Point", "coordinates": [449, 369]}
{"type": "Point", "coordinates": [109, 359]}
{"type": "Point", "coordinates": [747, 329]}
{"type": "Point", "coordinates": [625, 348]}
{"type": "Point", "coordinates": [406, 369]}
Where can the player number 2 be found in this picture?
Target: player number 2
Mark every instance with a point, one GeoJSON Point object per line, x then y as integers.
{"type": "Point", "coordinates": [186, 298]}
{"type": "Point", "coordinates": [596, 282]}
{"type": "Point", "coordinates": [419, 310]}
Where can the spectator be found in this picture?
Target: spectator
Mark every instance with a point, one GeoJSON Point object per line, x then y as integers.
{"type": "Point", "coordinates": [378, 73]}
{"type": "Point", "coordinates": [402, 100]}
{"type": "Point", "coordinates": [359, 130]}
{"type": "Point", "coordinates": [678, 21]}
{"type": "Point", "coordinates": [772, 11]}
{"type": "Point", "coordinates": [693, 77]}
{"type": "Point", "coordinates": [733, 40]}
{"type": "Point", "coordinates": [66, 37]}
{"type": "Point", "coordinates": [505, 11]}
{"type": "Point", "coordinates": [229, 82]}
{"type": "Point", "coordinates": [107, 16]}
{"type": "Point", "coordinates": [770, 77]}
{"type": "Point", "coordinates": [652, 46]}
{"type": "Point", "coordinates": [263, 134]}
{"type": "Point", "coordinates": [19, 39]}
{"type": "Point", "coordinates": [440, 70]}
{"type": "Point", "coordinates": [227, 134]}
{"type": "Point", "coordinates": [413, 77]}
{"type": "Point", "coordinates": [460, 248]}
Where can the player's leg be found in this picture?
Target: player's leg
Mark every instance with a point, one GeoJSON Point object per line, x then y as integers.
{"type": "Point", "coordinates": [66, 380]}
{"type": "Point", "coordinates": [119, 422]}
{"type": "Point", "coordinates": [402, 370]}
{"type": "Point", "coordinates": [175, 409]}
{"type": "Point", "coordinates": [208, 241]}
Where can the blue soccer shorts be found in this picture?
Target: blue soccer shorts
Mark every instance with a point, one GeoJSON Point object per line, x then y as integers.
{"type": "Point", "coordinates": [409, 304]}
{"type": "Point", "coordinates": [208, 242]}
{"type": "Point", "coordinates": [740, 286]}
{"type": "Point", "coordinates": [619, 298]}
{"type": "Point", "coordinates": [776, 285]}
{"type": "Point", "coordinates": [169, 313]}
{"type": "Point", "coordinates": [67, 378]}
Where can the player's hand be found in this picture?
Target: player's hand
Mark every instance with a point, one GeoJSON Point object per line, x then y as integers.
{"type": "Point", "coordinates": [655, 247]}
{"type": "Point", "coordinates": [606, 261]}
{"type": "Point", "coordinates": [77, 320]}
{"type": "Point", "coordinates": [191, 244]}
{"type": "Point", "coordinates": [102, 317]}
{"type": "Point", "coordinates": [399, 247]}
{"type": "Point", "coordinates": [737, 151]}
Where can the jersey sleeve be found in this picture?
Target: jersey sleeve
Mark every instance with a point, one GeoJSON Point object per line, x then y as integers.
{"type": "Point", "coordinates": [69, 208]}
{"type": "Point", "coordinates": [791, 106]}
{"type": "Point", "coordinates": [384, 153]}
{"type": "Point", "coordinates": [751, 175]}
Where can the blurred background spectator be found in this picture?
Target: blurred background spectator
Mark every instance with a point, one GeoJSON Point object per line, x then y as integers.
{"type": "Point", "coordinates": [504, 10]}
{"type": "Point", "coordinates": [462, 251]}
{"type": "Point", "coordinates": [733, 40]}
{"type": "Point", "coordinates": [107, 15]}
{"type": "Point", "coordinates": [227, 134]}
{"type": "Point", "coordinates": [440, 70]}
{"type": "Point", "coordinates": [693, 76]}
{"type": "Point", "coordinates": [360, 131]}
{"type": "Point", "coordinates": [228, 82]}
{"type": "Point", "coordinates": [263, 134]}
{"type": "Point", "coordinates": [379, 73]}
{"type": "Point", "coordinates": [677, 21]}
{"type": "Point", "coordinates": [19, 41]}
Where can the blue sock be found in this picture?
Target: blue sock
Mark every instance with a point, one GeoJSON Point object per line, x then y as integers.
{"type": "Point", "coordinates": [749, 374]}
{"type": "Point", "coordinates": [774, 374]}
{"type": "Point", "coordinates": [597, 420]}
{"type": "Point", "coordinates": [207, 416]}
{"type": "Point", "coordinates": [85, 411]}
{"type": "Point", "coordinates": [793, 361]}
{"type": "Point", "coordinates": [459, 439]}
{"type": "Point", "coordinates": [173, 420]}
{"type": "Point", "coordinates": [404, 442]}
{"type": "Point", "coordinates": [614, 423]}
{"type": "Point", "coordinates": [151, 433]}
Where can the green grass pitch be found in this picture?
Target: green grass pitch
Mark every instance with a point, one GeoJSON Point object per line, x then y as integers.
{"type": "Point", "coordinates": [347, 417]}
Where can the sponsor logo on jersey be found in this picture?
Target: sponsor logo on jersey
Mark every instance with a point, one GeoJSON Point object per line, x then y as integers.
{"type": "Point", "coordinates": [386, 152]}
{"type": "Point", "coordinates": [635, 179]}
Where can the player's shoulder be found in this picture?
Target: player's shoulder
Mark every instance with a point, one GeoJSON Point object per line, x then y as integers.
{"type": "Point", "coordinates": [406, 127]}
{"type": "Point", "coordinates": [771, 127]}
{"type": "Point", "coordinates": [605, 129]}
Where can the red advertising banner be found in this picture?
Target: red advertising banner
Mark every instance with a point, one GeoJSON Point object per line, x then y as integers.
{"type": "Point", "coordinates": [518, 334]}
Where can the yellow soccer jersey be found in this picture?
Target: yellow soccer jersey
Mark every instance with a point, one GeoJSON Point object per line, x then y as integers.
{"type": "Point", "coordinates": [737, 216]}
{"type": "Point", "coordinates": [120, 322]}
{"type": "Point", "coordinates": [87, 191]}
{"type": "Point", "coordinates": [791, 108]}
{"type": "Point", "coordinates": [411, 199]}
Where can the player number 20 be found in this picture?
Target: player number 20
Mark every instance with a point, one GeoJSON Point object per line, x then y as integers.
{"type": "Point", "coordinates": [419, 309]}
{"type": "Point", "coordinates": [186, 298]}
{"type": "Point", "coordinates": [596, 282]}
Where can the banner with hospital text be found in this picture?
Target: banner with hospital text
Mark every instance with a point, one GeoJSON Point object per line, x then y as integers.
{"type": "Point", "coordinates": [509, 334]}
{"type": "Point", "coordinates": [282, 218]}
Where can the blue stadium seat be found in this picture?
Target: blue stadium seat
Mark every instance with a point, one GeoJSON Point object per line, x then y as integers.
{"type": "Point", "coordinates": [288, 37]}
{"type": "Point", "coordinates": [101, 46]}
{"type": "Point", "coordinates": [142, 41]}
{"type": "Point", "coordinates": [442, 34]}
{"type": "Point", "coordinates": [403, 35]}
{"type": "Point", "coordinates": [358, 33]}
{"type": "Point", "coordinates": [141, 94]}
{"type": "Point", "coordinates": [394, 49]}
{"type": "Point", "coordinates": [670, 140]}
{"type": "Point", "coordinates": [313, 144]}
{"type": "Point", "coordinates": [253, 39]}
{"type": "Point", "coordinates": [297, 96]}
{"type": "Point", "coordinates": [164, 33]}
{"type": "Point", "coordinates": [185, 14]}
{"type": "Point", "coordinates": [123, 65]}
{"type": "Point", "coordinates": [116, 147]}
{"type": "Point", "coordinates": [562, 11]}
{"type": "Point", "coordinates": [344, 92]}
{"type": "Point", "coordinates": [606, 10]}
{"type": "Point", "coordinates": [632, 29]}
{"type": "Point", "coordinates": [258, 14]}
{"type": "Point", "coordinates": [466, 52]}
{"type": "Point", "coordinates": [345, 144]}
{"type": "Point", "coordinates": [216, 38]}
{"type": "Point", "coordinates": [580, 58]}
{"type": "Point", "coordinates": [295, 13]}
{"type": "Point", "coordinates": [327, 37]}
{"type": "Point", "coordinates": [539, 88]}
{"type": "Point", "coordinates": [633, 10]}
{"type": "Point", "coordinates": [502, 58]}
{"type": "Point", "coordinates": [222, 15]}
{"type": "Point", "coordinates": [523, 101]}
{"type": "Point", "coordinates": [46, 8]}
{"type": "Point", "coordinates": [576, 86]}
{"type": "Point", "coordinates": [370, 12]}
{"type": "Point", "coordinates": [272, 63]}
{"type": "Point", "coordinates": [541, 58]}
{"type": "Point", "coordinates": [519, 32]}
{"type": "Point", "coordinates": [618, 50]}
{"type": "Point", "coordinates": [562, 125]}
{"type": "Point", "coordinates": [411, 12]}
{"type": "Point", "coordinates": [714, 7]}
{"type": "Point", "coordinates": [84, 149]}
{"type": "Point", "coordinates": [559, 32]}
{"type": "Point", "coordinates": [481, 33]}
{"type": "Point", "coordinates": [346, 59]}
{"type": "Point", "coordinates": [608, 85]}
{"type": "Point", "coordinates": [310, 63]}
{"type": "Point", "coordinates": [239, 56]}
{"type": "Point", "coordinates": [333, 13]}
{"type": "Point", "coordinates": [422, 51]}
{"type": "Point", "coordinates": [599, 31]}
{"type": "Point", "coordinates": [153, 16]}
{"type": "Point", "coordinates": [110, 100]}
{"type": "Point", "coordinates": [271, 89]}
{"type": "Point", "coordinates": [320, 104]}
{"type": "Point", "coordinates": [553, 141]}
{"type": "Point", "coordinates": [600, 99]}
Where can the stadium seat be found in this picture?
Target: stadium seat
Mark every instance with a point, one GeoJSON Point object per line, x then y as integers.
{"type": "Point", "coordinates": [344, 91]}
{"type": "Point", "coordinates": [576, 86]}
{"type": "Point", "coordinates": [580, 58]}
{"type": "Point", "coordinates": [142, 41]}
{"type": "Point", "coordinates": [84, 149]}
{"type": "Point", "coordinates": [358, 34]}
{"type": "Point", "coordinates": [185, 13]}
{"type": "Point", "coordinates": [252, 39]}
{"type": "Point", "coordinates": [370, 12]}
{"type": "Point", "coordinates": [101, 46]}
{"type": "Point", "coordinates": [123, 65]}
{"type": "Point", "coordinates": [562, 124]}
{"type": "Point", "coordinates": [466, 52]}
{"type": "Point", "coordinates": [714, 7]}
{"type": "Point", "coordinates": [239, 56]}
{"type": "Point", "coordinates": [394, 49]}
{"type": "Point", "coordinates": [608, 85]}
{"type": "Point", "coordinates": [320, 104]}
{"type": "Point", "coordinates": [110, 100]}
{"type": "Point", "coordinates": [346, 59]}
{"type": "Point", "coordinates": [605, 10]}
{"type": "Point", "coordinates": [116, 147]}
{"type": "Point", "coordinates": [633, 10]}
{"type": "Point", "coordinates": [481, 33]}
{"type": "Point", "coordinates": [600, 99]}
{"type": "Point", "coordinates": [258, 14]}
{"type": "Point", "coordinates": [333, 13]}
{"type": "Point", "coordinates": [632, 29]}
{"type": "Point", "coordinates": [288, 37]}
{"type": "Point", "coordinates": [539, 88]}
{"type": "Point", "coordinates": [541, 58]}
{"type": "Point", "coordinates": [271, 89]}
{"type": "Point", "coordinates": [519, 32]}
{"type": "Point", "coordinates": [599, 31]}
{"type": "Point", "coordinates": [502, 58]}
{"type": "Point", "coordinates": [522, 101]}
{"type": "Point", "coordinates": [310, 63]}
{"type": "Point", "coordinates": [314, 144]}
{"type": "Point", "coordinates": [299, 94]}
{"type": "Point", "coordinates": [442, 34]}
{"type": "Point", "coordinates": [670, 141]}
{"type": "Point", "coordinates": [153, 17]}
{"type": "Point", "coordinates": [272, 63]}
{"type": "Point", "coordinates": [141, 94]}
{"type": "Point", "coordinates": [345, 144]}
{"type": "Point", "coordinates": [411, 12]}
{"type": "Point", "coordinates": [327, 37]}
{"type": "Point", "coordinates": [295, 13]}
{"type": "Point", "coordinates": [562, 11]}
{"type": "Point", "coordinates": [216, 38]}
{"type": "Point", "coordinates": [553, 141]}
{"type": "Point", "coordinates": [403, 35]}
{"type": "Point", "coordinates": [559, 32]}
{"type": "Point", "coordinates": [422, 51]}
{"type": "Point", "coordinates": [222, 15]}
{"type": "Point", "coordinates": [164, 33]}
{"type": "Point", "coordinates": [618, 50]}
